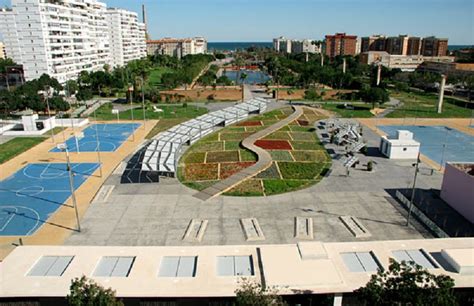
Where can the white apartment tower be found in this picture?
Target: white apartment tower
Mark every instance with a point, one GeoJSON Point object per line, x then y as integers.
{"type": "Point", "coordinates": [127, 36]}
{"type": "Point", "coordinates": [57, 37]}
{"type": "Point", "coordinates": [64, 37]}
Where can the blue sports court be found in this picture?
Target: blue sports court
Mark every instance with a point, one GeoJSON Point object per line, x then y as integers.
{"type": "Point", "coordinates": [441, 144]}
{"type": "Point", "coordinates": [30, 196]}
{"type": "Point", "coordinates": [101, 137]}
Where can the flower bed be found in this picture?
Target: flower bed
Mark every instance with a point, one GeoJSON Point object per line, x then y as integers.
{"type": "Point", "coordinates": [250, 123]}
{"type": "Point", "coordinates": [299, 170]}
{"type": "Point", "coordinates": [310, 156]}
{"type": "Point", "coordinates": [201, 172]}
{"type": "Point", "coordinates": [222, 156]}
{"type": "Point", "coordinates": [229, 169]}
{"type": "Point", "coordinates": [281, 155]}
{"type": "Point", "coordinates": [195, 158]}
{"type": "Point", "coordinates": [273, 144]}
{"type": "Point", "coordinates": [247, 188]}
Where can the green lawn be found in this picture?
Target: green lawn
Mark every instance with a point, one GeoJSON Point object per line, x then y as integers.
{"type": "Point", "coordinates": [360, 111]}
{"type": "Point", "coordinates": [17, 146]}
{"type": "Point", "coordinates": [169, 112]}
{"type": "Point", "coordinates": [155, 75]}
{"type": "Point", "coordinates": [424, 105]}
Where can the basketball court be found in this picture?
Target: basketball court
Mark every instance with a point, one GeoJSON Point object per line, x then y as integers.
{"type": "Point", "coordinates": [107, 137]}
{"type": "Point", "coordinates": [30, 196]}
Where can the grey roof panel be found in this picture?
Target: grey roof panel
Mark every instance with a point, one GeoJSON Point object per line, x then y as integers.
{"type": "Point", "coordinates": [243, 265]}
{"type": "Point", "coordinates": [225, 266]}
{"type": "Point", "coordinates": [51, 266]}
{"type": "Point", "coordinates": [168, 266]}
{"type": "Point", "coordinates": [187, 266]}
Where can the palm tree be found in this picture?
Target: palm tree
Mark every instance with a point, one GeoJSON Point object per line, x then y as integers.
{"type": "Point", "coordinates": [243, 76]}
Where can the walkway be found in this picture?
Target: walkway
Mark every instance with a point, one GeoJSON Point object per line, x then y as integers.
{"type": "Point", "coordinates": [264, 159]}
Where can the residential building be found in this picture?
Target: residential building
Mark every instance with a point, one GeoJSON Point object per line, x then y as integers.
{"type": "Point", "coordinates": [341, 44]}
{"type": "Point", "coordinates": [2, 50]}
{"type": "Point", "coordinates": [10, 34]}
{"type": "Point", "coordinates": [403, 62]}
{"type": "Point", "coordinates": [432, 46]}
{"type": "Point", "coordinates": [397, 45]}
{"type": "Point", "coordinates": [373, 43]}
{"type": "Point", "coordinates": [62, 38]}
{"type": "Point", "coordinates": [127, 36]}
{"type": "Point", "coordinates": [282, 44]}
{"type": "Point", "coordinates": [196, 275]}
{"type": "Point", "coordinates": [414, 46]}
{"type": "Point", "coordinates": [304, 46]}
{"type": "Point", "coordinates": [177, 47]}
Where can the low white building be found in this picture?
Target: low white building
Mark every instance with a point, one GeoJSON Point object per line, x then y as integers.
{"type": "Point", "coordinates": [402, 62]}
{"type": "Point", "coordinates": [402, 146]}
{"type": "Point", "coordinates": [177, 47]}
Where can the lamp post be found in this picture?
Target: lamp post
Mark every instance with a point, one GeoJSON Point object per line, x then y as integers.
{"type": "Point", "coordinates": [410, 208]}
{"type": "Point", "coordinates": [98, 147]}
{"type": "Point", "coordinates": [143, 103]}
{"type": "Point", "coordinates": [63, 147]}
{"type": "Point", "coordinates": [130, 90]}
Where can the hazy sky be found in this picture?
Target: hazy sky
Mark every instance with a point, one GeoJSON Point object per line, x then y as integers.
{"type": "Point", "coordinates": [261, 20]}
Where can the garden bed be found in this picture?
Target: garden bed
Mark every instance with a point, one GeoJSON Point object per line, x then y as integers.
{"type": "Point", "coordinates": [299, 159]}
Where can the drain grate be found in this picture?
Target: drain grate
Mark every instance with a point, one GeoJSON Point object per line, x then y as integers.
{"type": "Point", "coordinates": [355, 226]}
{"type": "Point", "coordinates": [304, 228]}
{"type": "Point", "coordinates": [195, 230]}
{"type": "Point", "coordinates": [252, 229]}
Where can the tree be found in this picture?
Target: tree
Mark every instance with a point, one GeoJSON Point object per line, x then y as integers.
{"type": "Point", "coordinates": [374, 95]}
{"type": "Point", "coordinates": [407, 284]}
{"type": "Point", "coordinates": [85, 292]}
{"type": "Point", "coordinates": [250, 294]}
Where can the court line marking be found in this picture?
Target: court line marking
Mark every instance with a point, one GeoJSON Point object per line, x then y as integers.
{"type": "Point", "coordinates": [30, 209]}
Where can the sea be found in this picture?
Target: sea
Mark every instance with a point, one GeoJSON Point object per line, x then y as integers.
{"type": "Point", "coordinates": [234, 46]}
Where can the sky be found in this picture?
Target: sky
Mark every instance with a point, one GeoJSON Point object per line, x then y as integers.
{"type": "Point", "coordinates": [262, 20]}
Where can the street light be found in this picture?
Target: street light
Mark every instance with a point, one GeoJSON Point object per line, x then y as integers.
{"type": "Point", "coordinates": [63, 147]}
{"type": "Point", "coordinates": [413, 189]}
{"type": "Point", "coordinates": [98, 146]}
{"type": "Point", "coordinates": [143, 103]}
{"type": "Point", "coordinates": [130, 90]}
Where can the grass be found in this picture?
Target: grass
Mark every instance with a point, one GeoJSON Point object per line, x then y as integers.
{"type": "Point", "coordinates": [163, 125]}
{"type": "Point", "coordinates": [16, 146]}
{"type": "Point", "coordinates": [424, 105]}
{"type": "Point", "coordinates": [281, 155]}
{"type": "Point", "coordinates": [246, 155]}
{"type": "Point", "coordinates": [315, 156]}
{"type": "Point", "coordinates": [360, 111]}
{"type": "Point", "coordinates": [232, 145]}
{"type": "Point", "coordinates": [156, 73]}
{"type": "Point", "coordinates": [169, 112]}
{"type": "Point", "coordinates": [300, 170]}
{"type": "Point", "coordinates": [306, 145]}
{"type": "Point", "coordinates": [281, 186]}
{"type": "Point", "coordinates": [223, 156]}
{"type": "Point", "coordinates": [195, 158]}
{"type": "Point", "coordinates": [248, 188]}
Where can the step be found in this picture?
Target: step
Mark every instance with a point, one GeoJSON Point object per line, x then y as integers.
{"type": "Point", "coordinates": [304, 228]}
{"type": "Point", "coordinates": [103, 194]}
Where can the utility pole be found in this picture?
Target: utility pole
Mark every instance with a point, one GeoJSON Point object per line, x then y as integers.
{"type": "Point", "coordinates": [441, 93]}
{"type": "Point", "coordinates": [143, 103]}
{"type": "Point", "coordinates": [413, 189]}
{"type": "Point", "coordinates": [130, 90]}
{"type": "Point", "coordinates": [46, 97]}
{"type": "Point", "coordinates": [379, 73]}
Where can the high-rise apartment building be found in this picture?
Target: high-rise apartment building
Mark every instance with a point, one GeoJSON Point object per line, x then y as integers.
{"type": "Point", "coordinates": [432, 46]}
{"type": "Point", "coordinates": [177, 47]}
{"type": "Point", "coordinates": [414, 46]}
{"type": "Point", "coordinates": [127, 36]}
{"type": "Point", "coordinates": [64, 37]}
{"type": "Point", "coordinates": [406, 45]}
{"type": "Point", "coordinates": [296, 46]}
{"type": "Point", "coordinates": [373, 43]}
{"type": "Point", "coordinates": [341, 44]}
{"type": "Point", "coordinates": [397, 45]}
{"type": "Point", "coordinates": [2, 50]}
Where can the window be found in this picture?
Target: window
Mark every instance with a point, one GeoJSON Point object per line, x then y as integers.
{"type": "Point", "coordinates": [418, 256]}
{"type": "Point", "coordinates": [51, 266]}
{"type": "Point", "coordinates": [178, 266]}
{"type": "Point", "coordinates": [234, 266]}
{"type": "Point", "coordinates": [404, 149]}
{"type": "Point", "coordinates": [361, 261]}
{"type": "Point", "coordinates": [114, 266]}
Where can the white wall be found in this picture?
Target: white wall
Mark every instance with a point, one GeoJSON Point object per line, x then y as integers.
{"type": "Point", "coordinates": [397, 150]}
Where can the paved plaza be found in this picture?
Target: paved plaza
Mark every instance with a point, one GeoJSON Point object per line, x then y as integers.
{"type": "Point", "coordinates": [160, 213]}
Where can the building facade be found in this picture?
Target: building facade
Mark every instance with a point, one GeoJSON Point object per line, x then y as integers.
{"type": "Point", "coordinates": [403, 62]}
{"type": "Point", "coordinates": [127, 36]}
{"type": "Point", "coordinates": [432, 46]}
{"type": "Point", "coordinates": [341, 44]}
{"type": "Point", "coordinates": [64, 37]}
{"type": "Point", "coordinates": [406, 45]}
{"type": "Point", "coordinates": [3, 54]}
{"type": "Point", "coordinates": [177, 47]}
